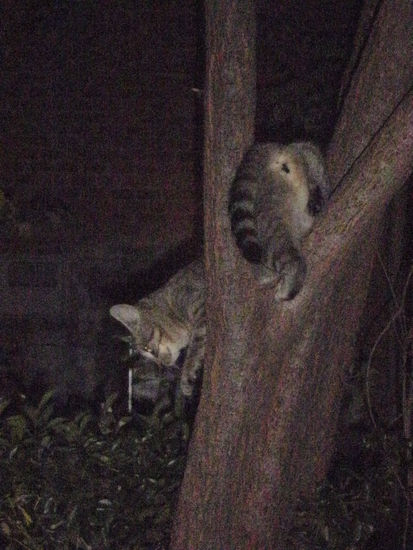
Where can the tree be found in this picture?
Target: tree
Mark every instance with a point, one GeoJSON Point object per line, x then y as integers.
{"type": "Point", "coordinates": [273, 377]}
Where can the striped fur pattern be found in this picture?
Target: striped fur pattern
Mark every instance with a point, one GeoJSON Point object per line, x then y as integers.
{"type": "Point", "coordinates": [276, 194]}
{"type": "Point", "coordinates": [170, 320]}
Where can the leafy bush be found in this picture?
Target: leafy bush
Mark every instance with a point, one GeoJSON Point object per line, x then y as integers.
{"type": "Point", "coordinates": [87, 482]}
{"type": "Point", "coordinates": [360, 506]}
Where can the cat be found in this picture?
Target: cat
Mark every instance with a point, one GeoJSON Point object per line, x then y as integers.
{"type": "Point", "coordinates": [170, 320]}
{"type": "Point", "coordinates": [276, 194]}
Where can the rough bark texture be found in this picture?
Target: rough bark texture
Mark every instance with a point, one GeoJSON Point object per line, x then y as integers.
{"type": "Point", "coordinates": [379, 80]}
{"type": "Point", "coordinates": [273, 376]}
{"type": "Point", "coordinates": [381, 342]}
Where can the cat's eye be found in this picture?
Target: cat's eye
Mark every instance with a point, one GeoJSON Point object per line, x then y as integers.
{"type": "Point", "coordinates": [285, 168]}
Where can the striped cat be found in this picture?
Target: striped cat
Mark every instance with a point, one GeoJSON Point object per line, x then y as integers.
{"type": "Point", "coordinates": [170, 320]}
{"type": "Point", "coordinates": [274, 198]}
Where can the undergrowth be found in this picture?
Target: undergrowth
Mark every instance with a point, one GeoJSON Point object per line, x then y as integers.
{"type": "Point", "coordinates": [362, 506]}
{"type": "Point", "coordinates": [100, 482]}
{"type": "Point", "coordinates": [87, 482]}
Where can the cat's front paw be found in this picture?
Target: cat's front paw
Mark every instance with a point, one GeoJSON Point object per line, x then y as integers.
{"type": "Point", "coordinates": [287, 274]}
{"type": "Point", "coordinates": [291, 269]}
{"type": "Point", "coordinates": [187, 387]}
{"type": "Point", "coordinates": [189, 377]}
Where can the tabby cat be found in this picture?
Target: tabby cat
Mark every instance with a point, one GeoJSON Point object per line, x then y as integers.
{"type": "Point", "coordinates": [276, 194]}
{"type": "Point", "coordinates": [170, 320]}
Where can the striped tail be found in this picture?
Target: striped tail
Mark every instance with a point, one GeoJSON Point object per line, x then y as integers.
{"type": "Point", "coordinates": [241, 209]}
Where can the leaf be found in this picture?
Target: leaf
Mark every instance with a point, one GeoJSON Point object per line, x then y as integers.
{"type": "Point", "coordinates": [31, 413]}
{"type": "Point", "coordinates": [27, 518]}
{"type": "Point", "coordinates": [84, 422]}
{"type": "Point", "coordinates": [72, 515]}
{"type": "Point", "coordinates": [70, 433]}
{"type": "Point", "coordinates": [56, 525]}
{"type": "Point", "coordinates": [45, 442]}
{"type": "Point", "coordinates": [45, 399]}
{"type": "Point", "coordinates": [46, 414]}
{"type": "Point", "coordinates": [5, 529]}
{"type": "Point", "coordinates": [123, 421]}
{"type": "Point", "coordinates": [105, 502]}
{"type": "Point", "coordinates": [17, 424]}
{"type": "Point", "coordinates": [110, 401]}
{"type": "Point", "coordinates": [13, 452]}
{"type": "Point", "coordinates": [48, 505]}
{"type": "Point", "coordinates": [56, 422]}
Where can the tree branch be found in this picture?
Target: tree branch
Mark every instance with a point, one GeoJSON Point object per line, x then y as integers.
{"type": "Point", "coordinates": [273, 376]}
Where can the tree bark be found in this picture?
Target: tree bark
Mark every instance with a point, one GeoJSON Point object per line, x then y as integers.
{"type": "Point", "coordinates": [273, 375]}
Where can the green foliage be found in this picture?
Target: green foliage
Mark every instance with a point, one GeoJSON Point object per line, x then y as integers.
{"type": "Point", "coordinates": [359, 505]}
{"type": "Point", "coordinates": [87, 483]}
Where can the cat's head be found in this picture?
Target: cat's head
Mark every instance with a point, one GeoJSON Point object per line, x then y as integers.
{"type": "Point", "coordinates": [150, 337]}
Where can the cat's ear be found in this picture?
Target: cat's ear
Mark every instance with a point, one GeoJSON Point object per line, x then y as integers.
{"type": "Point", "coordinates": [128, 315]}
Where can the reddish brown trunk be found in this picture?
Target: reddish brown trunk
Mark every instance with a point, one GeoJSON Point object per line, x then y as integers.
{"type": "Point", "coordinates": [273, 374]}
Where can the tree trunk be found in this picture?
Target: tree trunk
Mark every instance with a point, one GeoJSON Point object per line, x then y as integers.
{"type": "Point", "coordinates": [273, 376]}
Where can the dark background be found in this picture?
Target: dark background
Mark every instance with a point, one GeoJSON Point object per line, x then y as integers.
{"type": "Point", "coordinates": [101, 164]}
